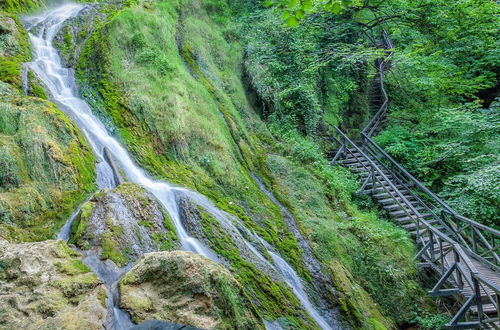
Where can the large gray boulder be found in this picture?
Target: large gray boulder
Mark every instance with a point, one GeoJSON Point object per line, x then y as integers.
{"type": "Point", "coordinates": [46, 286]}
{"type": "Point", "coordinates": [122, 224]}
{"type": "Point", "coordinates": [186, 288]}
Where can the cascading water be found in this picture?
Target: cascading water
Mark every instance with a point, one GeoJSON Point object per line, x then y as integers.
{"type": "Point", "coordinates": [62, 88]}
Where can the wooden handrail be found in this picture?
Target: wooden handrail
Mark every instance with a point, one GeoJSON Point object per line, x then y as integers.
{"type": "Point", "coordinates": [454, 236]}
{"type": "Point", "coordinates": [380, 154]}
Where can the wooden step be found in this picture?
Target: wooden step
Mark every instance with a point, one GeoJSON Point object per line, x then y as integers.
{"type": "Point", "coordinates": [393, 200]}
{"type": "Point", "coordinates": [353, 163]}
{"type": "Point", "coordinates": [406, 219]}
{"type": "Point", "coordinates": [413, 226]}
{"type": "Point", "coordinates": [400, 213]}
{"type": "Point", "coordinates": [423, 216]}
{"type": "Point", "coordinates": [395, 207]}
{"type": "Point", "coordinates": [384, 190]}
{"type": "Point", "coordinates": [487, 308]}
{"type": "Point", "coordinates": [377, 196]}
{"type": "Point", "coordinates": [385, 184]}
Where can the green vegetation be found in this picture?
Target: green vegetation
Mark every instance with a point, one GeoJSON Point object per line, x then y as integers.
{"type": "Point", "coordinates": [20, 6]}
{"type": "Point", "coordinates": [455, 151]}
{"type": "Point", "coordinates": [446, 130]}
{"type": "Point", "coordinates": [34, 87]}
{"type": "Point", "coordinates": [15, 48]}
{"type": "Point", "coordinates": [204, 93]}
{"type": "Point", "coordinates": [273, 299]}
{"type": "Point", "coordinates": [194, 148]}
{"type": "Point", "coordinates": [48, 169]}
{"type": "Point", "coordinates": [174, 85]}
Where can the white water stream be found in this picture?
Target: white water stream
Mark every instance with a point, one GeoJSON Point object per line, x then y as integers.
{"type": "Point", "coordinates": [61, 86]}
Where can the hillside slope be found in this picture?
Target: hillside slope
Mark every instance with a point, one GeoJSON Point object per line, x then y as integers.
{"type": "Point", "coordinates": [179, 83]}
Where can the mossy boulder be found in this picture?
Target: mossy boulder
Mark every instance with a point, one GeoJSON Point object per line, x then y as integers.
{"type": "Point", "coordinates": [45, 285]}
{"type": "Point", "coordinates": [123, 223]}
{"type": "Point", "coordinates": [186, 288]}
{"type": "Point", "coordinates": [14, 48]}
{"type": "Point", "coordinates": [46, 167]}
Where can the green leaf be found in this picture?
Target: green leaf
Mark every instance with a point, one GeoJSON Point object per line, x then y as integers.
{"type": "Point", "coordinates": [292, 21]}
{"type": "Point", "coordinates": [336, 8]}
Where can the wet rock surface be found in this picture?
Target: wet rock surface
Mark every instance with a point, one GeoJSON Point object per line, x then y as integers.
{"type": "Point", "coordinates": [186, 288]}
{"type": "Point", "coordinates": [321, 280]}
{"type": "Point", "coordinates": [196, 220]}
{"type": "Point", "coordinates": [161, 325]}
{"type": "Point", "coordinates": [46, 286]}
{"type": "Point", "coordinates": [122, 224]}
{"type": "Point", "coordinates": [75, 33]}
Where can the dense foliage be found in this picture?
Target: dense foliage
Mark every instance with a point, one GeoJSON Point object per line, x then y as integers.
{"type": "Point", "coordinates": [443, 122]}
{"type": "Point", "coordinates": [207, 93]}
{"type": "Point", "coordinates": [179, 82]}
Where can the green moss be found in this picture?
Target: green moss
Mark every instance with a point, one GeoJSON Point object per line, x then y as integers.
{"type": "Point", "coordinates": [213, 162]}
{"type": "Point", "coordinates": [72, 267]}
{"type": "Point", "coordinates": [20, 6]}
{"type": "Point", "coordinates": [73, 287]}
{"type": "Point", "coordinates": [15, 48]}
{"type": "Point", "coordinates": [34, 89]}
{"type": "Point", "coordinates": [273, 299]}
{"type": "Point", "coordinates": [10, 71]}
{"type": "Point", "coordinates": [79, 225]}
{"type": "Point", "coordinates": [102, 295]}
{"type": "Point", "coordinates": [111, 251]}
{"type": "Point", "coordinates": [54, 167]}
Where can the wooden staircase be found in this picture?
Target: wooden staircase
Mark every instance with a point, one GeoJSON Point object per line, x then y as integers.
{"type": "Point", "coordinates": [462, 252]}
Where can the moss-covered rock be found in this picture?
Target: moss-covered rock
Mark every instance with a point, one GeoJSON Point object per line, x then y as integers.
{"type": "Point", "coordinates": [123, 224]}
{"type": "Point", "coordinates": [168, 77]}
{"type": "Point", "coordinates": [273, 298]}
{"type": "Point", "coordinates": [14, 48]}
{"type": "Point", "coordinates": [189, 289]}
{"type": "Point", "coordinates": [46, 286]}
{"type": "Point", "coordinates": [47, 167]}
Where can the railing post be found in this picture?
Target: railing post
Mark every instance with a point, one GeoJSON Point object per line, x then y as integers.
{"type": "Point", "coordinates": [344, 147]}
{"type": "Point", "coordinates": [460, 282]}
{"type": "Point", "coordinates": [433, 253]}
{"type": "Point", "coordinates": [474, 242]}
{"type": "Point", "coordinates": [497, 298]}
{"type": "Point", "coordinates": [373, 177]}
{"type": "Point", "coordinates": [477, 292]}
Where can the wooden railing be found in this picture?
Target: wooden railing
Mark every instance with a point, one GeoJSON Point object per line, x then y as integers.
{"type": "Point", "coordinates": [449, 244]}
{"type": "Point", "coordinates": [439, 250]}
{"type": "Point", "coordinates": [481, 240]}
{"type": "Point", "coordinates": [382, 66]}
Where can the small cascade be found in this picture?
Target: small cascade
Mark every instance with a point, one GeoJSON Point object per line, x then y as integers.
{"type": "Point", "coordinates": [64, 233]}
{"type": "Point", "coordinates": [110, 275]}
{"type": "Point", "coordinates": [62, 89]}
{"type": "Point", "coordinates": [283, 268]}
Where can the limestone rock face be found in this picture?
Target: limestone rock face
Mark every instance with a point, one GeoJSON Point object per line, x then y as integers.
{"type": "Point", "coordinates": [13, 40]}
{"type": "Point", "coordinates": [189, 289]}
{"type": "Point", "coordinates": [46, 167]}
{"type": "Point", "coordinates": [46, 286]}
{"type": "Point", "coordinates": [123, 224]}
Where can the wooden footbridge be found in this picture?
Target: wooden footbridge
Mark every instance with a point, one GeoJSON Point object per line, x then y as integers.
{"type": "Point", "coordinates": [461, 251]}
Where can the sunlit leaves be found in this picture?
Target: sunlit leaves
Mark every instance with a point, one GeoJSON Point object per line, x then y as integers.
{"type": "Point", "coordinates": [295, 10]}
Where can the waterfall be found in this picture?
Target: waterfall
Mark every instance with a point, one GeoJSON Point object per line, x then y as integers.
{"type": "Point", "coordinates": [62, 89]}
